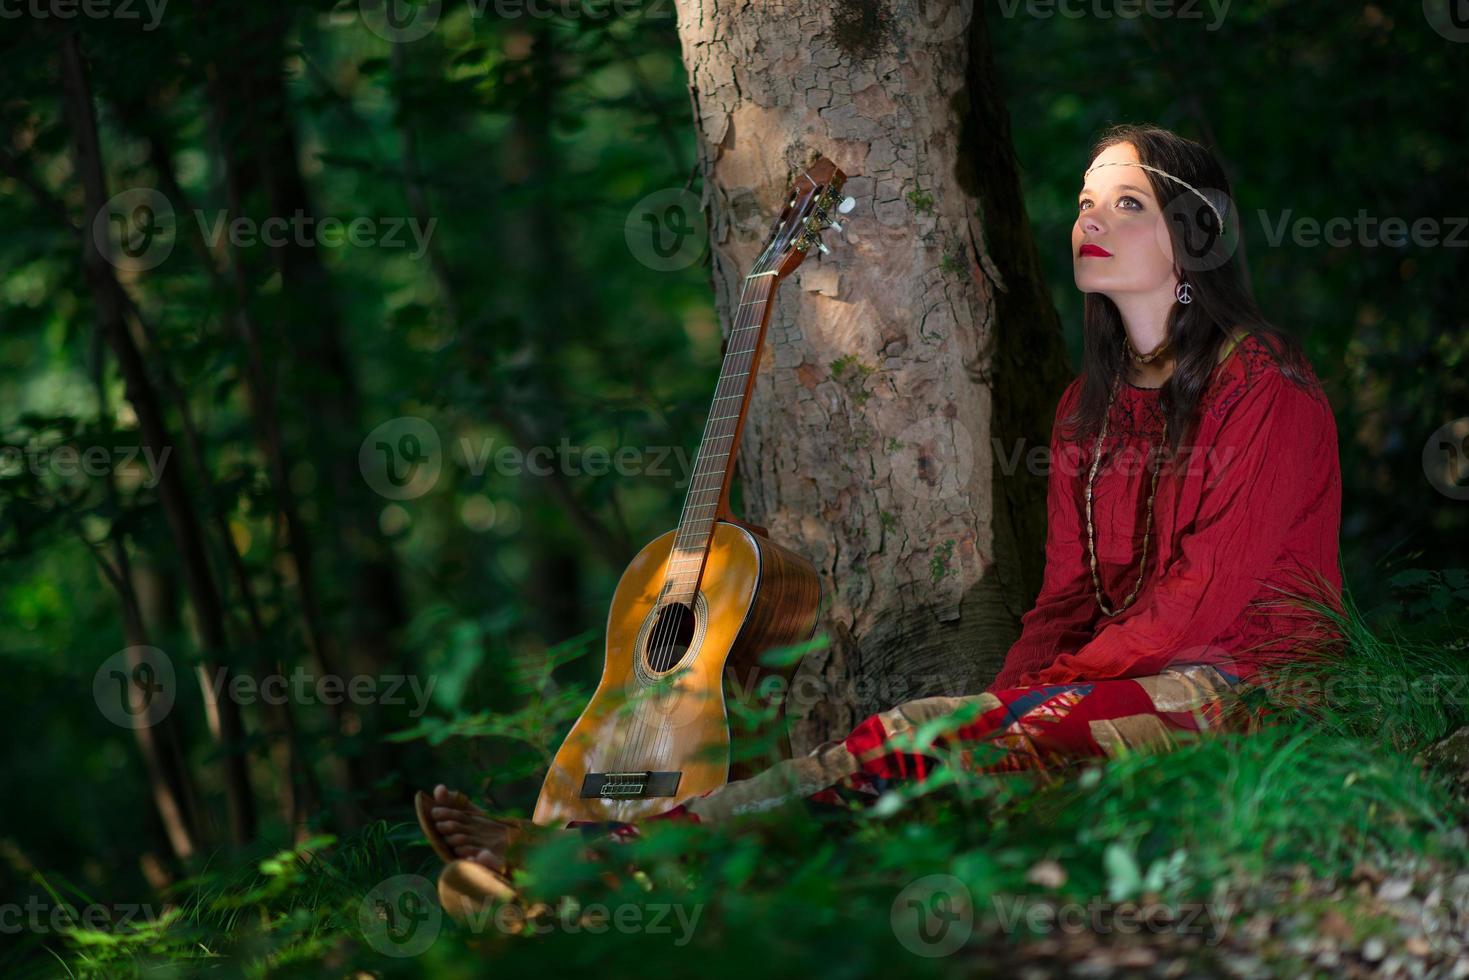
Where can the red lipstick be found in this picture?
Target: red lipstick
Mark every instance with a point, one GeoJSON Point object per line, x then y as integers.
{"type": "Point", "coordinates": [1096, 250]}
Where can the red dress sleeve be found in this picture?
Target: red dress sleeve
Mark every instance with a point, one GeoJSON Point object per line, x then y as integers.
{"type": "Point", "coordinates": [1264, 471]}
{"type": "Point", "coordinates": [1064, 612]}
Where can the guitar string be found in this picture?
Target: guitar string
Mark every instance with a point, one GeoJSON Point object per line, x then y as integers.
{"type": "Point", "coordinates": [664, 631]}
{"type": "Point", "coordinates": [780, 238]}
{"type": "Point", "coordinates": [740, 362]}
{"type": "Point", "coordinates": [663, 737]}
{"type": "Point", "coordinates": [781, 241]}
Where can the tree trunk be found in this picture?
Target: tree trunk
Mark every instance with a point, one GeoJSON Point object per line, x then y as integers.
{"type": "Point", "coordinates": [906, 367]}
{"type": "Point", "coordinates": [175, 797]}
{"type": "Point", "coordinates": [173, 494]}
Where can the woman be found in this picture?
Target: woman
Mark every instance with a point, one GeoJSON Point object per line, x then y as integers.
{"type": "Point", "coordinates": [1194, 496]}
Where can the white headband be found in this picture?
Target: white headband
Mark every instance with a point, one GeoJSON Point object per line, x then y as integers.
{"type": "Point", "coordinates": [1124, 163]}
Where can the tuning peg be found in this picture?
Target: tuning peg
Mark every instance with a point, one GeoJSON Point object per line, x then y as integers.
{"type": "Point", "coordinates": [835, 225]}
{"type": "Point", "coordinates": [823, 248]}
{"type": "Point", "coordinates": [848, 203]}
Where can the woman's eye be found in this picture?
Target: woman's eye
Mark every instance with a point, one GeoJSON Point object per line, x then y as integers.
{"type": "Point", "coordinates": [1081, 205]}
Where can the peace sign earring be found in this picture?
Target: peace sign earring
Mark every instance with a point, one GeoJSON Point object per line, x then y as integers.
{"type": "Point", "coordinates": [1183, 292]}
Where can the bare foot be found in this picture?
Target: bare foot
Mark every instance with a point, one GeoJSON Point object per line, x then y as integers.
{"type": "Point", "coordinates": [471, 833]}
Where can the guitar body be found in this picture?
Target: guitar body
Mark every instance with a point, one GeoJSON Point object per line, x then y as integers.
{"type": "Point", "coordinates": [652, 738]}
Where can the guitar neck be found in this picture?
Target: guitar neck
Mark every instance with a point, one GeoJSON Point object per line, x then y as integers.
{"type": "Point", "coordinates": [707, 499]}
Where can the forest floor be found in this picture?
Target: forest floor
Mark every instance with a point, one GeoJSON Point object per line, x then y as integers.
{"type": "Point", "coordinates": [1280, 853]}
{"type": "Point", "coordinates": [1332, 842]}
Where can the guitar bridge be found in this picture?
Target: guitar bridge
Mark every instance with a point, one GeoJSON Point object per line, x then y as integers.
{"type": "Point", "coordinates": [629, 785]}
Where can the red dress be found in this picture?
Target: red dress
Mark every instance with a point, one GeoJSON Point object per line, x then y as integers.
{"type": "Point", "coordinates": [1251, 511]}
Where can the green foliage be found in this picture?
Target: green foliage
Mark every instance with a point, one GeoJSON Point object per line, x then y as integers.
{"type": "Point", "coordinates": [1399, 676]}
{"type": "Point", "coordinates": [921, 200]}
{"type": "Point", "coordinates": [1165, 827]}
{"type": "Point", "coordinates": [938, 564]}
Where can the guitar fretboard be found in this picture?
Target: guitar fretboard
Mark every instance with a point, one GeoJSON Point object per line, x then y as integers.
{"type": "Point", "coordinates": [709, 483]}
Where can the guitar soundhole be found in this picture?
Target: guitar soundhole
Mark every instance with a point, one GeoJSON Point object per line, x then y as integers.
{"type": "Point", "coordinates": [670, 636]}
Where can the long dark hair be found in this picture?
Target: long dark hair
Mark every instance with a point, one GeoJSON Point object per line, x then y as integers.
{"type": "Point", "coordinates": [1220, 305]}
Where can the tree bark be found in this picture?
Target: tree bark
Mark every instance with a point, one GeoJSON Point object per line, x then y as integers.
{"type": "Point", "coordinates": [907, 367]}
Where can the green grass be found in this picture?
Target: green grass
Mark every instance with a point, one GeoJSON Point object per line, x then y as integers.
{"type": "Point", "coordinates": [794, 892]}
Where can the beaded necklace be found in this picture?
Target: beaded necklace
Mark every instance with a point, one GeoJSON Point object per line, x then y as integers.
{"type": "Point", "coordinates": [1091, 531]}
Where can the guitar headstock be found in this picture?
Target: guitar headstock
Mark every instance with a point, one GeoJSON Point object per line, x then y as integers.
{"type": "Point", "coordinates": [811, 207]}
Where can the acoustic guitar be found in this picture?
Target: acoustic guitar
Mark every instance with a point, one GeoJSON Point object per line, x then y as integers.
{"type": "Point", "coordinates": [702, 602]}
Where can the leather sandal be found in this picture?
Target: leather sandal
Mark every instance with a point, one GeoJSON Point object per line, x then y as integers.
{"type": "Point", "coordinates": [467, 889]}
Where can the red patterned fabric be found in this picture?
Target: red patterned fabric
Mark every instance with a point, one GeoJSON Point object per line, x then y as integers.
{"type": "Point", "coordinates": [1018, 729]}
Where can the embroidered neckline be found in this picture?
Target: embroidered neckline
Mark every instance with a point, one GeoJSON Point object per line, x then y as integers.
{"type": "Point", "coordinates": [1138, 412]}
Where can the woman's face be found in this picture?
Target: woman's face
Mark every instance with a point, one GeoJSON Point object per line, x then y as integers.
{"type": "Point", "coordinates": [1117, 213]}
